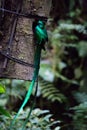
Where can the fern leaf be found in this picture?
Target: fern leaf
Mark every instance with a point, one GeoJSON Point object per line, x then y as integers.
{"type": "Point", "coordinates": [50, 92]}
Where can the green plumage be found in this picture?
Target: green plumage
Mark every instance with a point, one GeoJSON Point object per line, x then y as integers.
{"type": "Point", "coordinates": [41, 38]}
{"type": "Point", "coordinates": [41, 33]}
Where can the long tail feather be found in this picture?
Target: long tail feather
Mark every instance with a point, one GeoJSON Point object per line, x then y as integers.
{"type": "Point", "coordinates": [27, 97]}
{"type": "Point", "coordinates": [33, 104]}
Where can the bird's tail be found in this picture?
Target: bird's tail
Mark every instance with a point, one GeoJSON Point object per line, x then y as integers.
{"type": "Point", "coordinates": [27, 97]}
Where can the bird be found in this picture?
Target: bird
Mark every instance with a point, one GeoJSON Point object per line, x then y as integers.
{"type": "Point", "coordinates": [41, 37]}
{"type": "Point", "coordinates": [40, 33]}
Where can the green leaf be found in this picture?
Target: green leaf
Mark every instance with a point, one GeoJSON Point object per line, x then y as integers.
{"type": "Point", "coordinates": [78, 73]}
{"type": "Point", "coordinates": [46, 72]}
{"type": "Point", "coordinates": [4, 112]}
{"type": "Point", "coordinates": [2, 88]}
{"type": "Point", "coordinates": [82, 49]}
{"type": "Point", "coordinates": [72, 3]}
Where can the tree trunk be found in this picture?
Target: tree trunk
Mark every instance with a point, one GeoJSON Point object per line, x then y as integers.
{"type": "Point", "coordinates": [22, 45]}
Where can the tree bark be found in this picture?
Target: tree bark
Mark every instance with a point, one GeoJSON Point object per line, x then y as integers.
{"type": "Point", "coordinates": [23, 44]}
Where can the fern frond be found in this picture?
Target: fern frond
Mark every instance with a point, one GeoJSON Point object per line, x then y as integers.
{"type": "Point", "coordinates": [80, 97]}
{"type": "Point", "coordinates": [50, 92]}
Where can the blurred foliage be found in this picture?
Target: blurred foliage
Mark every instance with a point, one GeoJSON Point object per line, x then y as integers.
{"type": "Point", "coordinates": [80, 112]}
{"type": "Point", "coordinates": [50, 92]}
{"type": "Point", "coordinates": [39, 120]}
{"type": "Point", "coordinates": [67, 68]}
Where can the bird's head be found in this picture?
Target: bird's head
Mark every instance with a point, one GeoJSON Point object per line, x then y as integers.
{"type": "Point", "coordinates": [41, 24]}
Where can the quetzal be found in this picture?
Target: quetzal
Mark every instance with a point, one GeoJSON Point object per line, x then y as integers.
{"type": "Point", "coordinates": [41, 38]}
